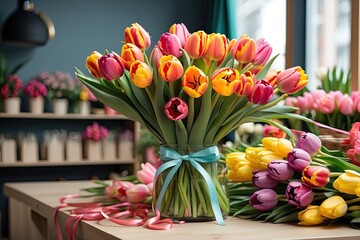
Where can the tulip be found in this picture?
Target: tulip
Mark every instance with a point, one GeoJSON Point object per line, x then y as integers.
{"type": "Point", "coordinates": [170, 68]}
{"type": "Point", "coordinates": [170, 44]}
{"type": "Point", "coordinates": [117, 189]}
{"type": "Point", "coordinates": [261, 93]}
{"type": "Point", "coordinates": [299, 195]}
{"type": "Point", "coordinates": [217, 46]}
{"type": "Point", "coordinates": [225, 81]}
{"type": "Point", "coordinates": [346, 106]}
{"type": "Point", "coordinates": [240, 169]}
{"type": "Point", "coordinates": [333, 207]}
{"type": "Point", "coordinates": [194, 82]}
{"type": "Point", "coordinates": [348, 182]}
{"type": "Point", "coordinates": [264, 199]}
{"type": "Point", "coordinates": [111, 66]}
{"type": "Point", "coordinates": [310, 216]}
{"type": "Point", "coordinates": [292, 80]}
{"type": "Point", "coordinates": [354, 155]}
{"type": "Point", "coordinates": [137, 193]}
{"type": "Point", "coordinates": [271, 77]}
{"type": "Point", "coordinates": [280, 146]}
{"type": "Point", "coordinates": [147, 173]}
{"type": "Point", "coordinates": [247, 81]}
{"type": "Point", "coordinates": [262, 179]}
{"type": "Point", "coordinates": [130, 53]}
{"type": "Point", "coordinates": [298, 159]}
{"type": "Point", "coordinates": [180, 31]}
{"type": "Point", "coordinates": [272, 131]}
{"type": "Point", "coordinates": [355, 134]}
{"type": "Point", "coordinates": [176, 109]}
{"type": "Point", "coordinates": [316, 176]}
{"type": "Point", "coordinates": [197, 44]}
{"type": "Point", "coordinates": [244, 50]}
{"type": "Point", "coordinates": [92, 64]}
{"type": "Point", "coordinates": [280, 170]}
{"type": "Point", "coordinates": [309, 142]}
{"type": "Point", "coordinates": [155, 56]}
{"type": "Point", "coordinates": [137, 35]}
{"type": "Point", "coordinates": [141, 74]}
{"type": "Point", "coordinates": [260, 157]}
{"type": "Point", "coordinates": [325, 104]}
{"type": "Point", "coordinates": [263, 52]}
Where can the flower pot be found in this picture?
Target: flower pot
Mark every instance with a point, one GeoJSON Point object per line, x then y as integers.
{"type": "Point", "coordinates": [12, 105]}
{"type": "Point", "coordinates": [84, 107]}
{"type": "Point", "coordinates": [188, 187]}
{"type": "Point", "coordinates": [36, 105]}
{"type": "Point", "coordinates": [93, 150]}
{"type": "Point", "coordinates": [60, 106]}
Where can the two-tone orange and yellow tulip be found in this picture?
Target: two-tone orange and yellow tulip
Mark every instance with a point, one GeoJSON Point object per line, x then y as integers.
{"type": "Point", "coordinates": [225, 81]}
{"type": "Point", "coordinates": [170, 68]}
{"type": "Point", "coordinates": [292, 80]}
{"type": "Point", "coordinates": [247, 82]}
{"type": "Point", "coordinates": [137, 35]}
{"type": "Point", "coordinates": [92, 64]}
{"type": "Point", "coordinates": [130, 53]}
{"type": "Point", "coordinates": [217, 47]}
{"type": "Point", "coordinates": [194, 82]}
{"type": "Point", "coordinates": [244, 50]}
{"type": "Point", "coordinates": [141, 74]}
{"type": "Point", "coordinates": [196, 44]}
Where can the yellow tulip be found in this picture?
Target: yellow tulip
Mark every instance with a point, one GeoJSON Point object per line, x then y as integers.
{"type": "Point", "coordinates": [280, 146]}
{"type": "Point", "coordinates": [239, 168]}
{"type": "Point", "coordinates": [310, 216]}
{"type": "Point", "coordinates": [260, 157]}
{"type": "Point", "coordinates": [92, 64]}
{"type": "Point", "coordinates": [348, 182]}
{"type": "Point", "coordinates": [194, 82]}
{"type": "Point", "coordinates": [141, 74]}
{"type": "Point", "coordinates": [333, 207]}
{"type": "Point", "coordinates": [225, 81]}
{"type": "Point", "coordinates": [130, 53]}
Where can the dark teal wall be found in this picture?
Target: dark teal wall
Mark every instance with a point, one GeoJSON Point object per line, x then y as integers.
{"type": "Point", "coordinates": [86, 25]}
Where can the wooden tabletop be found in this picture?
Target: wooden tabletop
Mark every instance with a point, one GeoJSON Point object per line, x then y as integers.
{"type": "Point", "coordinates": [42, 197]}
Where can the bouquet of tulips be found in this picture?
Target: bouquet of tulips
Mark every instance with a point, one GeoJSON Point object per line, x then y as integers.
{"type": "Point", "coordinates": [193, 89]}
{"type": "Point", "coordinates": [302, 182]}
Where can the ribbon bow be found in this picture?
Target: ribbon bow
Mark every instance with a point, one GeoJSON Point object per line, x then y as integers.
{"type": "Point", "coordinates": [173, 159]}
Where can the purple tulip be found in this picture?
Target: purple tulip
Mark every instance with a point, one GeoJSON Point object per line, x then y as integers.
{"type": "Point", "coordinates": [309, 142]}
{"type": "Point", "coordinates": [264, 199]}
{"type": "Point", "coordinates": [280, 170]}
{"type": "Point", "coordinates": [299, 195]}
{"type": "Point", "coordinates": [262, 179]}
{"type": "Point", "coordinates": [298, 159]}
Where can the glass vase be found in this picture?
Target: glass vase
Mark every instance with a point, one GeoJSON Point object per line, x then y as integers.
{"type": "Point", "coordinates": [194, 187]}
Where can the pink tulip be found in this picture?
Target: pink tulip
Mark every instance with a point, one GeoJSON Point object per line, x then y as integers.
{"type": "Point", "coordinates": [326, 104]}
{"type": "Point", "coordinates": [263, 52]}
{"type": "Point", "coordinates": [347, 105]}
{"type": "Point", "coordinates": [262, 92]}
{"type": "Point", "coordinates": [170, 44]}
{"type": "Point", "coordinates": [147, 173]}
{"type": "Point", "coordinates": [292, 80]}
{"type": "Point", "coordinates": [309, 142]}
{"type": "Point", "coordinates": [180, 30]}
{"type": "Point", "coordinates": [176, 109]}
{"type": "Point", "coordinates": [264, 199]}
{"type": "Point", "coordinates": [137, 193]}
{"type": "Point", "coordinates": [355, 96]}
{"type": "Point", "coordinates": [155, 56]}
{"type": "Point", "coordinates": [111, 66]}
{"type": "Point", "coordinates": [117, 189]}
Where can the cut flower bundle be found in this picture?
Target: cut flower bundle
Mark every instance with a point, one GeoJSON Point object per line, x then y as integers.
{"type": "Point", "coordinates": [193, 89]}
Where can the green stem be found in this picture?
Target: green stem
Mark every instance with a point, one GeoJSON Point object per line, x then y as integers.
{"type": "Point", "coordinates": [191, 112]}
{"type": "Point", "coordinates": [355, 200]}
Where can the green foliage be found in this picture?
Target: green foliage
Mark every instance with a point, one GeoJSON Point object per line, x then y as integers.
{"type": "Point", "coordinates": [336, 79]}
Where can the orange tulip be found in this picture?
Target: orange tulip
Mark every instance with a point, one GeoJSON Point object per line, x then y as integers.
{"type": "Point", "coordinates": [137, 35]}
{"type": "Point", "coordinates": [194, 82]}
{"type": "Point", "coordinates": [225, 81]}
{"type": "Point", "coordinates": [170, 68]}
{"type": "Point", "coordinates": [197, 44]}
{"type": "Point", "coordinates": [217, 46]}
{"type": "Point", "coordinates": [244, 50]}
{"type": "Point", "coordinates": [247, 82]}
{"type": "Point", "coordinates": [130, 53]}
{"type": "Point", "coordinates": [92, 64]}
{"type": "Point", "coordinates": [141, 74]}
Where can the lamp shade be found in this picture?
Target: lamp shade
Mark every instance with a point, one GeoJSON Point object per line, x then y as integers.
{"type": "Point", "coordinates": [24, 27]}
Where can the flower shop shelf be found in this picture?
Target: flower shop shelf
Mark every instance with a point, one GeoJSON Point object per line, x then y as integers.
{"type": "Point", "coordinates": [32, 204]}
{"type": "Point", "coordinates": [65, 116]}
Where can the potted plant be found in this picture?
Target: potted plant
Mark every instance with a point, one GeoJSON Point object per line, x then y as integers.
{"type": "Point", "coordinates": [10, 91]}
{"type": "Point", "coordinates": [36, 91]}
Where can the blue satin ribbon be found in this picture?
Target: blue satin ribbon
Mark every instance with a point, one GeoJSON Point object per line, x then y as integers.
{"type": "Point", "coordinates": [173, 159]}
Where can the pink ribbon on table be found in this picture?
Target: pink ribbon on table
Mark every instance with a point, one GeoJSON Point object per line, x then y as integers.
{"type": "Point", "coordinates": [125, 214]}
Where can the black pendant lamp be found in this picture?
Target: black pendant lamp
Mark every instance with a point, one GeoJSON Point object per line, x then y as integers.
{"type": "Point", "coordinates": [26, 28]}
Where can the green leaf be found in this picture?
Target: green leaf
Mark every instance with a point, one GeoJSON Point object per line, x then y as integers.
{"type": "Point", "coordinates": [293, 217]}
{"type": "Point", "coordinates": [266, 68]}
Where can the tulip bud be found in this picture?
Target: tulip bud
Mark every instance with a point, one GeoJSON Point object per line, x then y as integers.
{"type": "Point", "coordinates": [354, 155]}
{"type": "Point", "coordinates": [310, 216]}
{"type": "Point", "coordinates": [130, 53]}
{"type": "Point", "coordinates": [155, 56]}
{"type": "Point", "coordinates": [176, 109]}
{"type": "Point", "coordinates": [147, 173]}
{"type": "Point", "coordinates": [244, 49]}
{"type": "Point", "coordinates": [309, 142]}
{"type": "Point", "coordinates": [181, 32]}
{"type": "Point", "coordinates": [261, 93]}
{"type": "Point", "coordinates": [141, 74]}
{"type": "Point", "coordinates": [262, 179]}
{"type": "Point", "coordinates": [299, 195]}
{"type": "Point", "coordinates": [298, 159]}
{"type": "Point", "coordinates": [348, 182]}
{"type": "Point", "coordinates": [316, 176]}
{"type": "Point", "coordinates": [271, 77]}
{"type": "Point", "coordinates": [333, 207]}
{"type": "Point", "coordinates": [260, 157]}
{"type": "Point", "coordinates": [170, 44]}
{"type": "Point", "coordinates": [240, 169]}
{"type": "Point", "coordinates": [263, 52]}
{"type": "Point", "coordinates": [225, 81]}
{"type": "Point", "coordinates": [137, 193]}
{"type": "Point", "coordinates": [194, 82]}
{"type": "Point", "coordinates": [292, 80]}
{"type": "Point", "coordinates": [137, 35]}
{"type": "Point", "coordinates": [280, 170]}
{"type": "Point", "coordinates": [247, 81]}
{"type": "Point", "coordinates": [217, 47]}
{"type": "Point", "coordinates": [117, 189]}
{"type": "Point", "coordinates": [170, 68]}
{"type": "Point", "coordinates": [111, 66]}
{"type": "Point", "coordinates": [264, 199]}
{"type": "Point", "coordinates": [92, 64]}
{"type": "Point", "coordinates": [280, 146]}
{"type": "Point", "coordinates": [197, 44]}
{"type": "Point", "coordinates": [346, 106]}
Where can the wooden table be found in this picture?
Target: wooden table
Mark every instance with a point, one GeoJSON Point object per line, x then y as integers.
{"type": "Point", "coordinates": [31, 207]}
